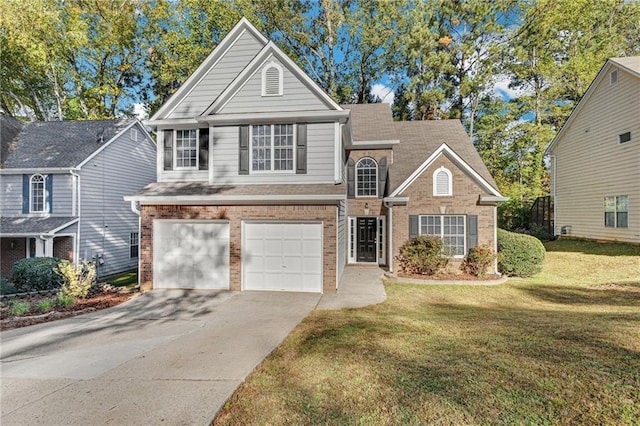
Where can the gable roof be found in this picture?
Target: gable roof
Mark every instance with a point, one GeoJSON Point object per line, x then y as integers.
{"type": "Point", "coordinates": [51, 144]}
{"type": "Point", "coordinates": [630, 64]}
{"type": "Point", "coordinates": [200, 72]}
{"type": "Point", "coordinates": [371, 122]}
{"type": "Point", "coordinates": [9, 130]}
{"type": "Point", "coordinates": [423, 141]}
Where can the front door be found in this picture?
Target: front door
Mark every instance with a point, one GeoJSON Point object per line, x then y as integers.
{"type": "Point", "coordinates": [366, 239]}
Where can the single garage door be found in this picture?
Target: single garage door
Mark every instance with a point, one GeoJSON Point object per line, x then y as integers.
{"type": "Point", "coordinates": [282, 256]}
{"type": "Point", "coordinates": [191, 254]}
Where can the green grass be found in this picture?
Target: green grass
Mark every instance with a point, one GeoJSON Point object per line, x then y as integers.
{"type": "Point", "coordinates": [121, 280]}
{"type": "Point", "coordinates": [562, 347]}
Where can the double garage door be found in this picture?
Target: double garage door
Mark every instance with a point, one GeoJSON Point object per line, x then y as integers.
{"type": "Point", "coordinates": [275, 256]}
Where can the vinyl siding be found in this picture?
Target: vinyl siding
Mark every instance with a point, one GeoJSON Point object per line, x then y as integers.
{"type": "Point", "coordinates": [296, 96]}
{"type": "Point", "coordinates": [341, 227]}
{"type": "Point", "coordinates": [11, 197]}
{"type": "Point", "coordinates": [320, 158]}
{"type": "Point", "coordinates": [62, 195]}
{"type": "Point", "coordinates": [123, 168]}
{"type": "Point", "coordinates": [218, 77]}
{"type": "Point", "coordinates": [591, 164]}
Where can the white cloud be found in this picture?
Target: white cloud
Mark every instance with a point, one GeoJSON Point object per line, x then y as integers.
{"type": "Point", "coordinates": [501, 88]}
{"type": "Point", "coordinates": [140, 110]}
{"type": "Point", "coordinates": [383, 92]}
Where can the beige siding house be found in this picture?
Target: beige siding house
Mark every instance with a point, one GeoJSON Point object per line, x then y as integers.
{"type": "Point", "coordinates": [595, 159]}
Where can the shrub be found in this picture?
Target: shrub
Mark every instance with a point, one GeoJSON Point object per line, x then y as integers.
{"type": "Point", "coordinates": [520, 255]}
{"type": "Point", "coordinates": [36, 274]}
{"type": "Point", "coordinates": [78, 279]}
{"type": "Point", "coordinates": [478, 260]}
{"type": "Point", "coordinates": [17, 308]}
{"type": "Point", "coordinates": [6, 287]}
{"type": "Point", "coordinates": [45, 305]}
{"type": "Point", "coordinates": [422, 255]}
{"type": "Point", "coordinates": [64, 301]}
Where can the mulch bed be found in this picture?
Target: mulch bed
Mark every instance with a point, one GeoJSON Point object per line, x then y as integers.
{"type": "Point", "coordinates": [449, 277]}
{"type": "Point", "coordinates": [81, 306]}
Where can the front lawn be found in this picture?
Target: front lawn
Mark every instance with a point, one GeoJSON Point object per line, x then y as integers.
{"type": "Point", "coordinates": [559, 348]}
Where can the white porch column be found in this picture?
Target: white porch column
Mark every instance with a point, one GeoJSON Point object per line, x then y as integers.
{"type": "Point", "coordinates": [40, 249]}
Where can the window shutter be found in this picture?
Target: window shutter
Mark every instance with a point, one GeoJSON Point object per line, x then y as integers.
{"type": "Point", "coordinates": [413, 226]}
{"type": "Point", "coordinates": [472, 231]}
{"type": "Point", "coordinates": [301, 149]}
{"type": "Point", "coordinates": [351, 178]}
{"type": "Point", "coordinates": [48, 184]}
{"type": "Point", "coordinates": [243, 164]}
{"type": "Point", "coordinates": [382, 176]}
{"type": "Point", "coordinates": [168, 150]}
{"type": "Point", "coordinates": [25, 193]}
{"type": "Point", "coordinates": [203, 149]}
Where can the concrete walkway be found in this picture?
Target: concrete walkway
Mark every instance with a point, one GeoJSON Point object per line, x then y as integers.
{"type": "Point", "coordinates": [171, 357]}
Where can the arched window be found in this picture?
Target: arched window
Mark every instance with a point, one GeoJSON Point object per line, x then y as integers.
{"type": "Point", "coordinates": [272, 80]}
{"type": "Point", "coordinates": [442, 182]}
{"type": "Point", "coordinates": [36, 186]}
{"type": "Point", "coordinates": [367, 178]}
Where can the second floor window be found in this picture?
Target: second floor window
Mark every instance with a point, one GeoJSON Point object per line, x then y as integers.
{"type": "Point", "coordinates": [272, 147]}
{"type": "Point", "coordinates": [367, 178]}
{"type": "Point", "coordinates": [186, 149]}
{"type": "Point", "coordinates": [37, 194]}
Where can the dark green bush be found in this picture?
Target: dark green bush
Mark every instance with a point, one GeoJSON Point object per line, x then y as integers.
{"type": "Point", "coordinates": [520, 255]}
{"type": "Point", "coordinates": [37, 273]}
{"type": "Point", "coordinates": [422, 255]}
{"type": "Point", "coordinates": [6, 287]}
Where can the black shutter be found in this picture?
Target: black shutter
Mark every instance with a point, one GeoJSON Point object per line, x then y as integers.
{"type": "Point", "coordinates": [243, 163]}
{"type": "Point", "coordinates": [301, 149]}
{"type": "Point", "coordinates": [413, 226]}
{"type": "Point", "coordinates": [203, 149]}
{"type": "Point", "coordinates": [351, 178]}
{"type": "Point", "coordinates": [25, 193]}
{"type": "Point", "coordinates": [472, 231]}
{"type": "Point", "coordinates": [48, 184]}
{"type": "Point", "coordinates": [382, 176]}
{"type": "Point", "coordinates": [168, 150]}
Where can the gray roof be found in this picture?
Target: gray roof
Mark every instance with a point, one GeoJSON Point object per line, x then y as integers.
{"type": "Point", "coordinates": [632, 63]}
{"type": "Point", "coordinates": [9, 129]}
{"type": "Point", "coordinates": [32, 225]}
{"type": "Point", "coordinates": [164, 189]}
{"type": "Point", "coordinates": [60, 143]}
{"type": "Point", "coordinates": [371, 122]}
{"type": "Point", "coordinates": [419, 139]}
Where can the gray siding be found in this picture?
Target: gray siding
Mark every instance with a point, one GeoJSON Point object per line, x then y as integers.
{"type": "Point", "coordinates": [106, 222]}
{"type": "Point", "coordinates": [63, 195]}
{"type": "Point", "coordinates": [218, 77]}
{"type": "Point", "coordinates": [320, 158]}
{"type": "Point", "coordinates": [591, 164]}
{"type": "Point", "coordinates": [342, 237]}
{"type": "Point", "coordinates": [11, 197]}
{"type": "Point", "coordinates": [296, 96]}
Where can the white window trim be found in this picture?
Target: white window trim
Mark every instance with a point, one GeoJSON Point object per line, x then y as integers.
{"type": "Point", "coordinates": [268, 66]}
{"type": "Point", "coordinates": [131, 244]}
{"type": "Point", "coordinates": [175, 150]}
{"type": "Point", "coordinates": [357, 182]}
{"type": "Point", "coordinates": [381, 245]}
{"type": "Point", "coordinates": [615, 211]}
{"type": "Point", "coordinates": [44, 194]}
{"type": "Point", "coordinates": [134, 134]}
{"type": "Point", "coordinates": [273, 171]}
{"type": "Point", "coordinates": [382, 241]}
{"type": "Point", "coordinates": [441, 216]}
{"type": "Point", "coordinates": [449, 183]}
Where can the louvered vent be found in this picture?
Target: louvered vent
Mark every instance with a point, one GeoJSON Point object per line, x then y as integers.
{"type": "Point", "coordinates": [272, 82]}
{"type": "Point", "coordinates": [442, 183]}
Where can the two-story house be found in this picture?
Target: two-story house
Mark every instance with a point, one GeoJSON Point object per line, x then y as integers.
{"type": "Point", "coordinates": [595, 159]}
{"type": "Point", "coordinates": [266, 183]}
{"type": "Point", "coordinates": [62, 185]}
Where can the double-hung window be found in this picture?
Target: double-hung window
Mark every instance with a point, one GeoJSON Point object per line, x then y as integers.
{"type": "Point", "coordinates": [272, 147]}
{"type": "Point", "coordinates": [616, 211]}
{"type": "Point", "coordinates": [186, 147]}
{"type": "Point", "coordinates": [450, 228]}
{"type": "Point", "coordinates": [37, 193]}
{"type": "Point", "coordinates": [367, 178]}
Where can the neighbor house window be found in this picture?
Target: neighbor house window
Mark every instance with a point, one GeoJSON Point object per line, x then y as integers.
{"type": "Point", "coordinates": [442, 182]}
{"type": "Point", "coordinates": [616, 211]}
{"type": "Point", "coordinates": [272, 80]}
{"type": "Point", "coordinates": [613, 77]}
{"type": "Point", "coordinates": [186, 148]}
{"type": "Point", "coordinates": [367, 178]}
{"type": "Point", "coordinates": [133, 244]}
{"type": "Point", "coordinates": [625, 137]}
{"type": "Point", "coordinates": [272, 147]}
{"type": "Point", "coordinates": [451, 228]}
{"type": "Point", "coordinates": [37, 193]}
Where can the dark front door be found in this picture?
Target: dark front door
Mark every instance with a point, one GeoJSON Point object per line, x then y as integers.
{"type": "Point", "coordinates": [366, 239]}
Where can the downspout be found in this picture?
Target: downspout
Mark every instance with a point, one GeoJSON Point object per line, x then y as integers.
{"type": "Point", "coordinates": [76, 208]}
{"type": "Point", "coordinates": [554, 171]}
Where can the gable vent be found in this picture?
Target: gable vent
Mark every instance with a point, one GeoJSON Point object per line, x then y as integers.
{"type": "Point", "coordinates": [613, 77]}
{"type": "Point", "coordinates": [442, 182]}
{"type": "Point", "coordinates": [272, 80]}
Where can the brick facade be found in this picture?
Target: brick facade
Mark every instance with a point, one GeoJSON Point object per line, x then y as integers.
{"type": "Point", "coordinates": [9, 255]}
{"type": "Point", "coordinates": [236, 214]}
{"type": "Point", "coordinates": [63, 247]}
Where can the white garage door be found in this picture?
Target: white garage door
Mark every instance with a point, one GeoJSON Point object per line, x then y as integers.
{"type": "Point", "coordinates": [282, 256]}
{"type": "Point", "coordinates": [188, 254]}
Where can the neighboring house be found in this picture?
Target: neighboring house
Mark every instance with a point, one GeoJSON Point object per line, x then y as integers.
{"type": "Point", "coordinates": [595, 159]}
{"type": "Point", "coordinates": [265, 183]}
{"type": "Point", "coordinates": [62, 185]}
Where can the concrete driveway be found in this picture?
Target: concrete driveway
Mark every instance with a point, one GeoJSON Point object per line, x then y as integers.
{"type": "Point", "coordinates": [171, 357]}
